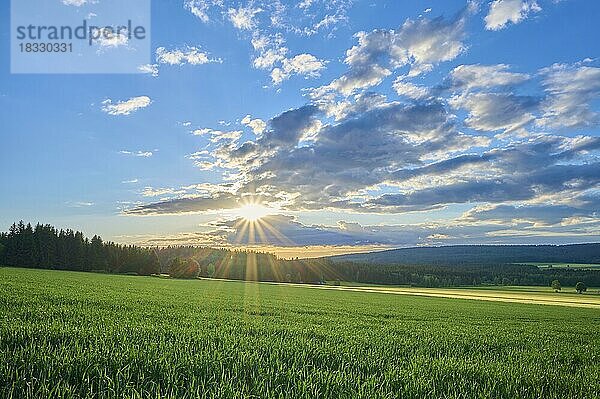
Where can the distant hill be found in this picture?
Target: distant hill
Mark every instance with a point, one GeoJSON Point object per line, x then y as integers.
{"type": "Point", "coordinates": [479, 254]}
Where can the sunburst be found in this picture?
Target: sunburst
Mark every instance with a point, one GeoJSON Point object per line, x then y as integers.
{"type": "Point", "coordinates": [252, 212]}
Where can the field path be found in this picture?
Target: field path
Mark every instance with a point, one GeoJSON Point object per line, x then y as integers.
{"type": "Point", "coordinates": [536, 298]}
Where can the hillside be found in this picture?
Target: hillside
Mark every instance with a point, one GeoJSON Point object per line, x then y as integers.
{"type": "Point", "coordinates": [479, 254]}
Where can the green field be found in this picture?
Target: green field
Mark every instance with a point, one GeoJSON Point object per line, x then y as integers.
{"type": "Point", "coordinates": [67, 334]}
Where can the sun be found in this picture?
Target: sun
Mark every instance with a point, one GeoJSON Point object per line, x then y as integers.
{"type": "Point", "coordinates": [252, 212]}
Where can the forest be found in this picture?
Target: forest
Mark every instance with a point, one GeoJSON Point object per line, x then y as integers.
{"type": "Point", "coordinates": [43, 246]}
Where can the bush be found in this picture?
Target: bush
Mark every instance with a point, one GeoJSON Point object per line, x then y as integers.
{"type": "Point", "coordinates": [187, 268]}
{"type": "Point", "coordinates": [580, 287]}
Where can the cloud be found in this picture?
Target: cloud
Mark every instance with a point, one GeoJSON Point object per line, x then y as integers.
{"type": "Point", "coordinates": [218, 135]}
{"type": "Point", "coordinates": [200, 8]}
{"type": "Point", "coordinates": [184, 205]}
{"type": "Point", "coordinates": [108, 39]}
{"type": "Point", "coordinates": [269, 22]}
{"type": "Point", "coordinates": [141, 154]}
{"type": "Point", "coordinates": [202, 160]}
{"type": "Point", "coordinates": [272, 55]}
{"type": "Point", "coordinates": [275, 15]}
{"type": "Point", "coordinates": [125, 107]}
{"type": "Point", "coordinates": [536, 190]}
{"type": "Point", "coordinates": [417, 44]}
{"type": "Point", "coordinates": [280, 230]}
{"type": "Point", "coordinates": [243, 18]}
{"type": "Point", "coordinates": [410, 90]}
{"type": "Point", "coordinates": [189, 55]}
{"type": "Point", "coordinates": [269, 57]}
{"type": "Point", "coordinates": [285, 231]}
{"type": "Point", "coordinates": [76, 3]}
{"type": "Point", "coordinates": [335, 165]}
{"type": "Point", "coordinates": [80, 204]}
{"type": "Point", "coordinates": [521, 172]}
{"type": "Point", "coordinates": [301, 64]}
{"type": "Point", "coordinates": [366, 153]}
{"type": "Point", "coordinates": [502, 12]}
{"type": "Point", "coordinates": [151, 69]}
{"type": "Point", "coordinates": [496, 111]}
{"type": "Point", "coordinates": [570, 89]}
{"type": "Point", "coordinates": [258, 126]}
{"type": "Point", "coordinates": [485, 76]}
{"type": "Point", "coordinates": [546, 214]}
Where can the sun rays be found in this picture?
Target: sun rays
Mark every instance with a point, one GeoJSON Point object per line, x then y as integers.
{"type": "Point", "coordinates": [251, 212]}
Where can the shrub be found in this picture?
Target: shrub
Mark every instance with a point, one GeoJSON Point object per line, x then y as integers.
{"type": "Point", "coordinates": [187, 268]}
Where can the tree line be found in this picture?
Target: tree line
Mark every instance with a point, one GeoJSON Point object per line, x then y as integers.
{"type": "Point", "coordinates": [259, 266]}
{"type": "Point", "coordinates": [45, 247]}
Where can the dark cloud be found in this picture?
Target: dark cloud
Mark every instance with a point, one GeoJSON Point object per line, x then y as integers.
{"type": "Point", "coordinates": [186, 205]}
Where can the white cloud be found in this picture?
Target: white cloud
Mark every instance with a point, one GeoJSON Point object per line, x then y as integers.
{"type": "Point", "coordinates": [200, 8]}
{"type": "Point", "coordinates": [268, 58]}
{"type": "Point", "coordinates": [189, 55]}
{"type": "Point", "coordinates": [108, 38]}
{"type": "Point", "coordinates": [485, 76]}
{"type": "Point", "coordinates": [272, 55]}
{"type": "Point", "coordinates": [243, 18]}
{"type": "Point", "coordinates": [202, 132]}
{"type": "Point", "coordinates": [80, 204]}
{"type": "Point", "coordinates": [502, 12]}
{"type": "Point", "coordinates": [419, 44]}
{"type": "Point", "coordinates": [258, 126]}
{"type": "Point", "coordinates": [301, 64]}
{"type": "Point", "coordinates": [304, 64]}
{"type": "Point", "coordinates": [410, 90]}
{"type": "Point", "coordinates": [125, 107]}
{"type": "Point", "coordinates": [141, 154]}
{"type": "Point", "coordinates": [571, 90]}
{"type": "Point", "coordinates": [76, 3]}
{"type": "Point", "coordinates": [151, 69]}
{"type": "Point", "coordinates": [218, 135]}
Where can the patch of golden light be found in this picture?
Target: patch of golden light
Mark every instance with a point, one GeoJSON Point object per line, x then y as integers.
{"type": "Point", "coordinates": [253, 212]}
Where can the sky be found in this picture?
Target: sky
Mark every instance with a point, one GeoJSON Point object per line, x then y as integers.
{"type": "Point", "coordinates": [314, 127]}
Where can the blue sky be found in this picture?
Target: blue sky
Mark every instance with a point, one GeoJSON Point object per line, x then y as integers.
{"type": "Point", "coordinates": [352, 124]}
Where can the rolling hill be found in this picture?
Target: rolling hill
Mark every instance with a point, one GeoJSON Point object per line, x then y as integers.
{"type": "Point", "coordinates": [479, 254]}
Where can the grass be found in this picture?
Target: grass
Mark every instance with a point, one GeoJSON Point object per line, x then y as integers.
{"type": "Point", "coordinates": [495, 288]}
{"type": "Point", "coordinates": [75, 335]}
{"type": "Point", "coordinates": [535, 295]}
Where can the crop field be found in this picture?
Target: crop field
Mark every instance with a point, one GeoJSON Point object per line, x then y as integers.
{"type": "Point", "coordinates": [529, 295]}
{"type": "Point", "coordinates": [78, 335]}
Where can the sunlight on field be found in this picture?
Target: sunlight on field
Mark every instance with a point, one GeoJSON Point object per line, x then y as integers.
{"type": "Point", "coordinates": [66, 334]}
{"type": "Point", "coordinates": [588, 300]}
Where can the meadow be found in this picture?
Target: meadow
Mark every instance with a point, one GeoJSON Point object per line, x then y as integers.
{"type": "Point", "coordinates": [84, 335]}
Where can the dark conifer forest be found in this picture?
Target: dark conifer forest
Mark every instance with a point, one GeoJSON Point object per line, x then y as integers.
{"type": "Point", "coordinates": [44, 247]}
